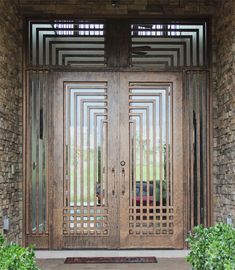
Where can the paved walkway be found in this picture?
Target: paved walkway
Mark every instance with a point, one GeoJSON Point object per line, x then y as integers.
{"type": "Point", "coordinates": [163, 264]}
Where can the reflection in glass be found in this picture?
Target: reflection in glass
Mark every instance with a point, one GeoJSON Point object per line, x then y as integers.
{"type": "Point", "coordinates": [37, 148]}
{"type": "Point", "coordinates": [86, 158]}
{"type": "Point", "coordinates": [66, 43]}
{"type": "Point", "coordinates": [150, 143]}
{"type": "Point", "coordinates": [169, 44]}
{"type": "Point", "coordinates": [86, 144]}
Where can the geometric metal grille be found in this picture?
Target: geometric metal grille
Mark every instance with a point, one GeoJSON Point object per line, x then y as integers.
{"type": "Point", "coordinates": [82, 43]}
{"type": "Point", "coordinates": [151, 203]}
{"type": "Point", "coordinates": [66, 43]}
{"type": "Point", "coordinates": [86, 178]}
{"type": "Point", "coordinates": [168, 44]}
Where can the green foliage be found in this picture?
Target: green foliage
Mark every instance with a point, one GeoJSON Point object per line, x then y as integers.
{"type": "Point", "coordinates": [15, 257]}
{"type": "Point", "coordinates": [212, 248]}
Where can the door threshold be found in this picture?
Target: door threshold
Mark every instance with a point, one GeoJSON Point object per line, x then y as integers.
{"type": "Point", "coordinates": [62, 254]}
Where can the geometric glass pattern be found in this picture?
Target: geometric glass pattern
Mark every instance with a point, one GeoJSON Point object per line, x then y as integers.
{"type": "Point", "coordinates": [151, 204]}
{"type": "Point", "coordinates": [86, 178]}
{"type": "Point", "coordinates": [168, 44]}
{"type": "Point", "coordinates": [66, 43]}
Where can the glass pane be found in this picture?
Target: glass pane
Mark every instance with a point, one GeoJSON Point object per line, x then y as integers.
{"type": "Point", "coordinates": [37, 148]}
{"type": "Point", "coordinates": [72, 43]}
{"type": "Point", "coordinates": [151, 186]}
{"type": "Point", "coordinates": [168, 44]}
{"type": "Point", "coordinates": [86, 156]}
{"type": "Point", "coordinates": [197, 85]}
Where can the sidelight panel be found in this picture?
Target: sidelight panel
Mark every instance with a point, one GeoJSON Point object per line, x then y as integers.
{"type": "Point", "coordinates": [37, 155]}
{"type": "Point", "coordinates": [197, 123]}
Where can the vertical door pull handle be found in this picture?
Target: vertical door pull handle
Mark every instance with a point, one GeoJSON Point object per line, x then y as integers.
{"type": "Point", "coordinates": [114, 180]}
{"type": "Point", "coordinates": [34, 165]}
{"type": "Point", "coordinates": [123, 181]}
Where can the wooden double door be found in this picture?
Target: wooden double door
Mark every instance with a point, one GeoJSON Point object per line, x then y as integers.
{"type": "Point", "coordinates": [117, 160]}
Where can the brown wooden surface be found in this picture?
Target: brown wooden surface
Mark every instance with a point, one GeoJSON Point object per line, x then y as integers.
{"type": "Point", "coordinates": [118, 187]}
{"type": "Point", "coordinates": [117, 53]}
{"type": "Point", "coordinates": [61, 240]}
{"type": "Point", "coordinates": [157, 240]}
{"type": "Point", "coordinates": [118, 130]}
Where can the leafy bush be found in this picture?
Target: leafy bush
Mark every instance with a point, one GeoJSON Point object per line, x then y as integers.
{"type": "Point", "coordinates": [212, 248]}
{"type": "Point", "coordinates": [15, 257]}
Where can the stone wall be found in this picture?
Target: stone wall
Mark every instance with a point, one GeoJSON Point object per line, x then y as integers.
{"type": "Point", "coordinates": [10, 119]}
{"type": "Point", "coordinates": [125, 8]}
{"type": "Point", "coordinates": [224, 112]}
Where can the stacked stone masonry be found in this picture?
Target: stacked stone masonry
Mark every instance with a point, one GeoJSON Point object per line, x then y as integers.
{"type": "Point", "coordinates": [10, 119]}
{"type": "Point", "coordinates": [224, 112]}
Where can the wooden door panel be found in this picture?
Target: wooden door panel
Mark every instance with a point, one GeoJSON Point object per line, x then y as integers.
{"type": "Point", "coordinates": [117, 179]}
{"type": "Point", "coordinates": [151, 145]}
{"type": "Point", "coordinates": [85, 215]}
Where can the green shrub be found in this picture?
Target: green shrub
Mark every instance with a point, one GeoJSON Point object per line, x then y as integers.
{"type": "Point", "coordinates": [212, 248]}
{"type": "Point", "coordinates": [15, 257]}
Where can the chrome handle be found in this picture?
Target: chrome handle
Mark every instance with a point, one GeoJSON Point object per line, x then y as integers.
{"type": "Point", "coordinates": [123, 181]}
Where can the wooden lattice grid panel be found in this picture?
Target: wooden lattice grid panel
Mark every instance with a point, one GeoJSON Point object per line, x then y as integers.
{"type": "Point", "coordinates": [82, 221]}
{"type": "Point", "coordinates": [149, 221]}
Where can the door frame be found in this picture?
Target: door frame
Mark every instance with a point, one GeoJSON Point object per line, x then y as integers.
{"type": "Point", "coordinates": [118, 65]}
{"type": "Point", "coordinates": [45, 241]}
{"type": "Point", "coordinates": [59, 241]}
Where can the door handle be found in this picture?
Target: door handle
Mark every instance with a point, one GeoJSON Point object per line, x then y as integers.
{"type": "Point", "coordinates": [34, 165]}
{"type": "Point", "coordinates": [114, 180]}
{"type": "Point", "coordinates": [122, 163]}
{"type": "Point", "coordinates": [123, 181]}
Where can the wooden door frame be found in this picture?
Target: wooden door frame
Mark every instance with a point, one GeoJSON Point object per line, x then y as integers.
{"type": "Point", "coordinates": [27, 238]}
{"type": "Point", "coordinates": [56, 236]}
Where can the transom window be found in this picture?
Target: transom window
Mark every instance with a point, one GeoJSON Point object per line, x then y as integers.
{"type": "Point", "coordinates": [85, 43]}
